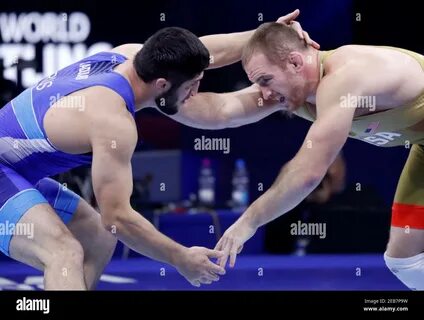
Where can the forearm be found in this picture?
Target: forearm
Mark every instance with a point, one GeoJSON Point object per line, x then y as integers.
{"type": "Point", "coordinates": [227, 48]}
{"type": "Point", "coordinates": [293, 185]}
{"type": "Point", "coordinates": [306, 170]}
{"type": "Point", "coordinates": [208, 110]}
{"type": "Point", "coordinates": [141, 236]}
{"type": "Point", "coordinates": [322, 193]}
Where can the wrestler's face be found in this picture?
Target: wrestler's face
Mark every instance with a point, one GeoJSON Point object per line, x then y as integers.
{"type": "Point", "coordinates": [277, 82]}
{"type": "Point", "coordinates": [189, 89]}
{"type": "Point", "coordinates": [170, 101]}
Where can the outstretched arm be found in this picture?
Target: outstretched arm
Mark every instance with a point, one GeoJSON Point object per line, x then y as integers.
{"type": "Point", "coordinates": [113, 141]}
{"type": "Point", "coordinates": [300, 176]}
{"type": "Point", "coordinates": [208, 110]}
{"type": "Point", "coordinates": [226, 49]}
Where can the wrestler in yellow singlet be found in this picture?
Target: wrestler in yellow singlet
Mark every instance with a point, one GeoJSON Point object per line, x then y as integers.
{"type": "Point", "coordinates": [400, 126]}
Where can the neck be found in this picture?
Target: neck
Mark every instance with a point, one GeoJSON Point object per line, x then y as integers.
{"type": "Point", "coordinates": [143, 93]}
{"type": "Point", "coordinates": [313, 75]}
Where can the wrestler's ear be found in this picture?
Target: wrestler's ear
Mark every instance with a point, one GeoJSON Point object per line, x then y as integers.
{"type": "Point", "coordinates": [162, 85]}
{"type": "Point", "coordinates": [295, 61]}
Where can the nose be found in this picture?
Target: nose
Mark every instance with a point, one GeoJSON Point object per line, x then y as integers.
{"type": "Point", "coordinates": [266, 93]}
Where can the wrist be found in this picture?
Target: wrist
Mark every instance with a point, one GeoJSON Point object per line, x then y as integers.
{"type": "Point", "coordinates": [249, 220]}
{"type": "Point", "coordinates": [177, 255]}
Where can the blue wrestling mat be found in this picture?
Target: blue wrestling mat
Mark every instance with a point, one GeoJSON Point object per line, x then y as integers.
{"type": "Point", "coordinates": [252, 272]}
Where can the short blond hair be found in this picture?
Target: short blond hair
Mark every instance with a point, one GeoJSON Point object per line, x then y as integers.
{"type": "Point", "coordinates": [275, 41]}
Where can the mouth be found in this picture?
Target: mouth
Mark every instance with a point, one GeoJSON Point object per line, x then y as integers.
{"type": "Point", "coordinates": [278, 97]}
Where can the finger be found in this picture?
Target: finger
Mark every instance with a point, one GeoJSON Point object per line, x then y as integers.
{"type": "Point", "coordinates": [298, 28]}
{"type": "Point", "coordinates": [315, 44]}
{"type": "Point", "coordinates": [289, 17]}
{"type": "Point", "coordinates": [214, 253]}
{"type": "Point", "coordinates": [306, 37]}
{"type": "Point", "coordinates": [214, 277]}
{"type": "Point", "coordinates": [218, 245]}
{"type": "Point", "coordinates": [223, 260]}
{"type": "Point", "coordinates": [309, 41]}
{"type": "Point", "coordinates": [233, 255]}
{"type": "Point", "coordinates": [195, 283]}
{"type": "Point", "coordinates": [209, 276]}
{"type": "Point", "coordinates": [205, 280]}
{"type": "Point", "coordinates": [239, 249]}
{"type": "Point", "coordinates": [222, 248]}
{"type": "Point", "coordinates": [214, 268]}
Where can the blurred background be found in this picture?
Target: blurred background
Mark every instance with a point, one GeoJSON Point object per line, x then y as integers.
{"type": "Point", "coordinates": [193, 195]}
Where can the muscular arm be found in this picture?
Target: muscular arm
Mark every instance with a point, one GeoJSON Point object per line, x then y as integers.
{"type": "Point", "coordinates": [305, 171]}
{"type": "Point", "coordinates": [217, 111]}
{"type": "Point", "coordinates": [112, 182]}
{"type": "Point", "coordinates": [323, 142]}
{"type": "Point", "coordinates": [298, 178]}
{"type": "Point", "coordinates": [208, 110]}
{"type": "Point", "coordinates": [227, 48]}
{"type": "Point", "coordinates": [113, 137]}
{"type": "Point", "coordinates": [332, 183]}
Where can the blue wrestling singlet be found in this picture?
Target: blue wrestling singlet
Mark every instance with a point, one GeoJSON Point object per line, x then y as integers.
{"type": "Point", "coordinates": [27, 157]}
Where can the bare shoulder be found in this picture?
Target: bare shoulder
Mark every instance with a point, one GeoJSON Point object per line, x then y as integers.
{"type": "Point", "coordinates": [128, 50]}
{"type": "Point", "coordinates": [365, 68]}
{"type": "Point", "coordinates": [108, 117]}
{"type": "Point", "coordinates": [373, 61]}
{"type": "Point", "coordinates": [351, 57]}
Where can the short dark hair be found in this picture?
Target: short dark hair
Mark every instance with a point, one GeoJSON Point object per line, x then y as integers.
{"type": "Point", "coordinates": [275, 41]}
{"type": "Point", "coordinates": [172, 53]}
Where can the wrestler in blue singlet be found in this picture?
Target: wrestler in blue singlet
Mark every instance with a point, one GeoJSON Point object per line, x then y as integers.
{"type": "Point", "coordinates": [27, 157]}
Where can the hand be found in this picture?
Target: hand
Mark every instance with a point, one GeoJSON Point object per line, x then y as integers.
{"type": "Point", "coordinates": [233, 240]}
{"type": "Point", "coordinates": [195, 266]}
{"type": "Point", "coordinates": [288, 19]}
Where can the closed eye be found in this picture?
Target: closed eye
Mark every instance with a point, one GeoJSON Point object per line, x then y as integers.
{"type": "Point", "coordinates": [264, 82]}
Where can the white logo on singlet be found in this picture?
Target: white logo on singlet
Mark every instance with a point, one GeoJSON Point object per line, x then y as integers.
{"type": "Point", "coordinates": [84, 71]}
{"type": "Point", "coordinates": [47, 82]}
{"type": "Point", "coordinates": [381, 138]}
{"type": "Point", "coordinates": [14, 150]}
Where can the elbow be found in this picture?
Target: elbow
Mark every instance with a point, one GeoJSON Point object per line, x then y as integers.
{"type": "Point", "coordinates": [312, 179]}
{"type": "Point", "coordinates": [113, 220]}
{"type": "Point", "coordinates": [227, 119]}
